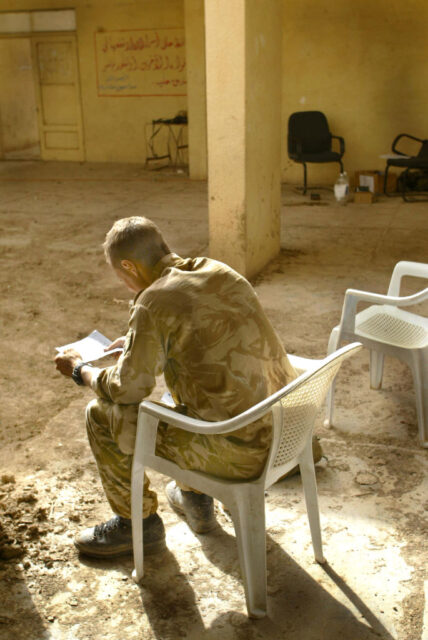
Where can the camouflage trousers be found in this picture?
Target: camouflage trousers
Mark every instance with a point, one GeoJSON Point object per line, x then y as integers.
{"type": "Point", "coordinates": [112, 437]}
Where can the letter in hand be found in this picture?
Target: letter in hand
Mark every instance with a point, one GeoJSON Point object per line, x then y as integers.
{"type": "Point", "coordinates": [119, 343]}
{"type": "Point", "coordinates": [66, 361]}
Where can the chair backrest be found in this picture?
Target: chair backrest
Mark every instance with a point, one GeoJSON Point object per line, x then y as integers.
{"type": "Point", "coordinates": [295, 413]}
{"type": "Point", "coordinates": [423, 151]}
{"type": "Point", "coordinates": [311, 129]}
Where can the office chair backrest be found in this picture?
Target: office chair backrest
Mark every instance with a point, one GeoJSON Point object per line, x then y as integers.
{"type": "Point", "coordinates": [423, 151]}
{"type": "Point", "coordinates": [311, 129]}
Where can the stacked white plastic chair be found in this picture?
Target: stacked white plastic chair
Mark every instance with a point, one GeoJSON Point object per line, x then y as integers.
{"type": "Point", "coordinates": [386, 329]}
{"type": "Point", "coordinates": [294, 409]}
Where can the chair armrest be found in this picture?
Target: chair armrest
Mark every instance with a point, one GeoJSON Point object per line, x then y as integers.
{"type": "Point", "coordinates": [302, 364]}
{"type": "Point", "coordinates": [246, 417]}
{"type": "Point", "coordinates": [354, 296]}
{"type": "Point", "coordinates": [406, 268]}
{"type": "Point", "coordinates": [202, 426]}
{"type": "Point", "coordinates": [403, 135]}
{"type": "Point", "coordinates": [342, 144]}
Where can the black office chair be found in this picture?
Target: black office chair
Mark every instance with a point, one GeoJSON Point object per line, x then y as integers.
{"type": "Point", "coordinates": [310, 140]}
{"type": "Point", "coordinates": [418, 162]}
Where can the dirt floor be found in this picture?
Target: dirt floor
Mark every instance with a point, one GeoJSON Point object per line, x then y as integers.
{"type": "Point", "coordinates": [56, 288]}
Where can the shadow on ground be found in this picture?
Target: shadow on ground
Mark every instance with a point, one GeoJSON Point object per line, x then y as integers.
{"type": "Point", "coordinates": [17, 609]}
{"type": "Point", "coordinates": [170, 599]}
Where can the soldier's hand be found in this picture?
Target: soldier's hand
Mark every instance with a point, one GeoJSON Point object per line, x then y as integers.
{"type": "Point", "coordinates": [67, 360]}
{"type": "Point", "coordinates": [116, 344]}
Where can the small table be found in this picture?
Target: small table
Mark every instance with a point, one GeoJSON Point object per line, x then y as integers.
{"type": "Point", "coordinates": [173, 134]}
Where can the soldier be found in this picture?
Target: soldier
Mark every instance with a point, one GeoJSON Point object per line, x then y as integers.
{"type": "Point", "coordinates": [200, 324]}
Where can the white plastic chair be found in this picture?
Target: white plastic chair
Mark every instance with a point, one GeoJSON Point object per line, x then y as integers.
{"type": "Point", "coordinates": [294, 409]}
{"type": "Point", "coordinates": [386, 329]}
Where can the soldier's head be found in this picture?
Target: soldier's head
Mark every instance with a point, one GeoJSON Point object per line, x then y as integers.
{"type": "Point", "coordinates": [133, 246]}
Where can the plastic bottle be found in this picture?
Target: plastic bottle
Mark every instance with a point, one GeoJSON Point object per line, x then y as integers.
{"type": "Point", "coordinates": [341, 188]}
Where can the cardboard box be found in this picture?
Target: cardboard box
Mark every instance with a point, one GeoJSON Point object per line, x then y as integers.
{"type": "Point", "coordinates": [374, 180]}
{"type": "Point", "coordinates": [364, 197]}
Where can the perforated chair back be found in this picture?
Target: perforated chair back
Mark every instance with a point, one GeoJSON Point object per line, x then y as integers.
{"type": "Point", "coordinates": [300, 409]}
{"type": "Point", "coordinates": [294, 416]}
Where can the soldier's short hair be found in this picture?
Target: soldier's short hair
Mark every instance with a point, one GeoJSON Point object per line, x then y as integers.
{"type": "Point", "coordinates": [135, 238]}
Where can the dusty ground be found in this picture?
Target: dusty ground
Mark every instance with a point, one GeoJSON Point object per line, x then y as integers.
{"type": "Point", "coordinates": [56, 288]}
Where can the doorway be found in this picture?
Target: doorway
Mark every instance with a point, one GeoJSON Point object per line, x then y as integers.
{"type": "Point", "coordinates": [19, 131]}
{"type": "Point", "coordinates": [40, 106]}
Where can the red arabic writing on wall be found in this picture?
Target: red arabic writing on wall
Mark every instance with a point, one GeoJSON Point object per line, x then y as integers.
{"type": "Point", "coordinates": [147, 41]}
{"type": "Point", "coordinates": [154, 63]}
{"type": "Point", "coordinates": [141, 62]}
{"type": "Point", "coordinates": [175, 82]}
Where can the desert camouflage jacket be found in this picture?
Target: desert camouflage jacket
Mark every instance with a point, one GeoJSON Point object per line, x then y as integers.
{"type": "Point", "coordinates": [200, 324]}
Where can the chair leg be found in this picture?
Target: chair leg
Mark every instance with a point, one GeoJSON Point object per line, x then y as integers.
{"type": "Point", "coordinates": [376, 369]}
{"type": "Point", "coordinates": [403, 190]}
{"type": "Point", "coordinates": [403, 184]}
{"type": "Point", "coordinates": [341, 166]}
{"type": "Point", "coordinates": [137, 483]}
{"type": "Point", "coordinates": [333, 344]}
{"type": "Point", "coordinates": [385, 182]}
{"type": "Point", "coordinates": [307, 472]}
{"type": "Point", "coordinates": [304, 178]}
{"type": "Point", "coordinates": [420, 378]}
{"type": "Point", "coordinates": [248, 515]}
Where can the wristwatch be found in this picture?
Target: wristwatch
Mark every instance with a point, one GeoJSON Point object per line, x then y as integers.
{"type": "Point", "coordinates": [77, 373]}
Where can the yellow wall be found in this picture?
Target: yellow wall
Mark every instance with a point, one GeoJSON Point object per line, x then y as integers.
{"type": "Point", "coordinates": [365, 65]}
{"type": "Point", "coordinates": [362, 63]}
{"type": "Point", "coordinates": [114, 127]}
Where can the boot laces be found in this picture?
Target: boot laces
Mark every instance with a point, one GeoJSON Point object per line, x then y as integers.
{"type": "Point", "coordinates": [111, 525]}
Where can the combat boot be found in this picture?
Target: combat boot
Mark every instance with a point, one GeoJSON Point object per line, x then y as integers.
{"type": "Point", "coordinates": [196, 508]}
{"type": "Point", "coordinates": [114, 538]}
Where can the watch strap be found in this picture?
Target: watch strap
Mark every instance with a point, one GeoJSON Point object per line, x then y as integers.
{"type": "Point", "coordinates": [77, 373]}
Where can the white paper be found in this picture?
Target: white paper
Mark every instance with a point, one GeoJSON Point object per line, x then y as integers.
{"type": "Point", "coordinates": [168, 399]}
{"type": "Point", "coordinates": [367, 181]}
{"type": "Point", "coordinates": [91, 348]}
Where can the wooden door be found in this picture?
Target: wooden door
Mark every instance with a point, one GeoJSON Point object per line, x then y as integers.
{"type": "Point", "coordinates": [58, 97]}
{"type": "Point", "coordinates": [19, 133]}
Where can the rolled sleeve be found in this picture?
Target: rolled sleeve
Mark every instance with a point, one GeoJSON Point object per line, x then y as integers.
{"type": "Point", "coordinates": [134, 376]}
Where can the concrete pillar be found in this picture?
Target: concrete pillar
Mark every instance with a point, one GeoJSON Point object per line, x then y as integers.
{"type": "Point", "coordinates": [243, 59]}
{"type": "Point", "coordinates": [196, 91]}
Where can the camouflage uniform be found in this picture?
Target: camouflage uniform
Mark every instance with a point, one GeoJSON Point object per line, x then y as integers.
{"type": "Point", "coordinates": [201, 325]}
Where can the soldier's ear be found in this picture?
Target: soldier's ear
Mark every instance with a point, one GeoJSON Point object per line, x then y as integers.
{"type": "Point", "coordinates": [127, 265]}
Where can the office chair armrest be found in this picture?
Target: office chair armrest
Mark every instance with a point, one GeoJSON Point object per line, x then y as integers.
{"type": "Point", "coordinates": [354, 296]}
{"type": "Point", "coordinates": [403, 135]}
{"type": "Point", "coordinates": [342, 143]}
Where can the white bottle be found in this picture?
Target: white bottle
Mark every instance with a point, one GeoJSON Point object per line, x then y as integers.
{"type": "Point", "coordinates": [341, 188]}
